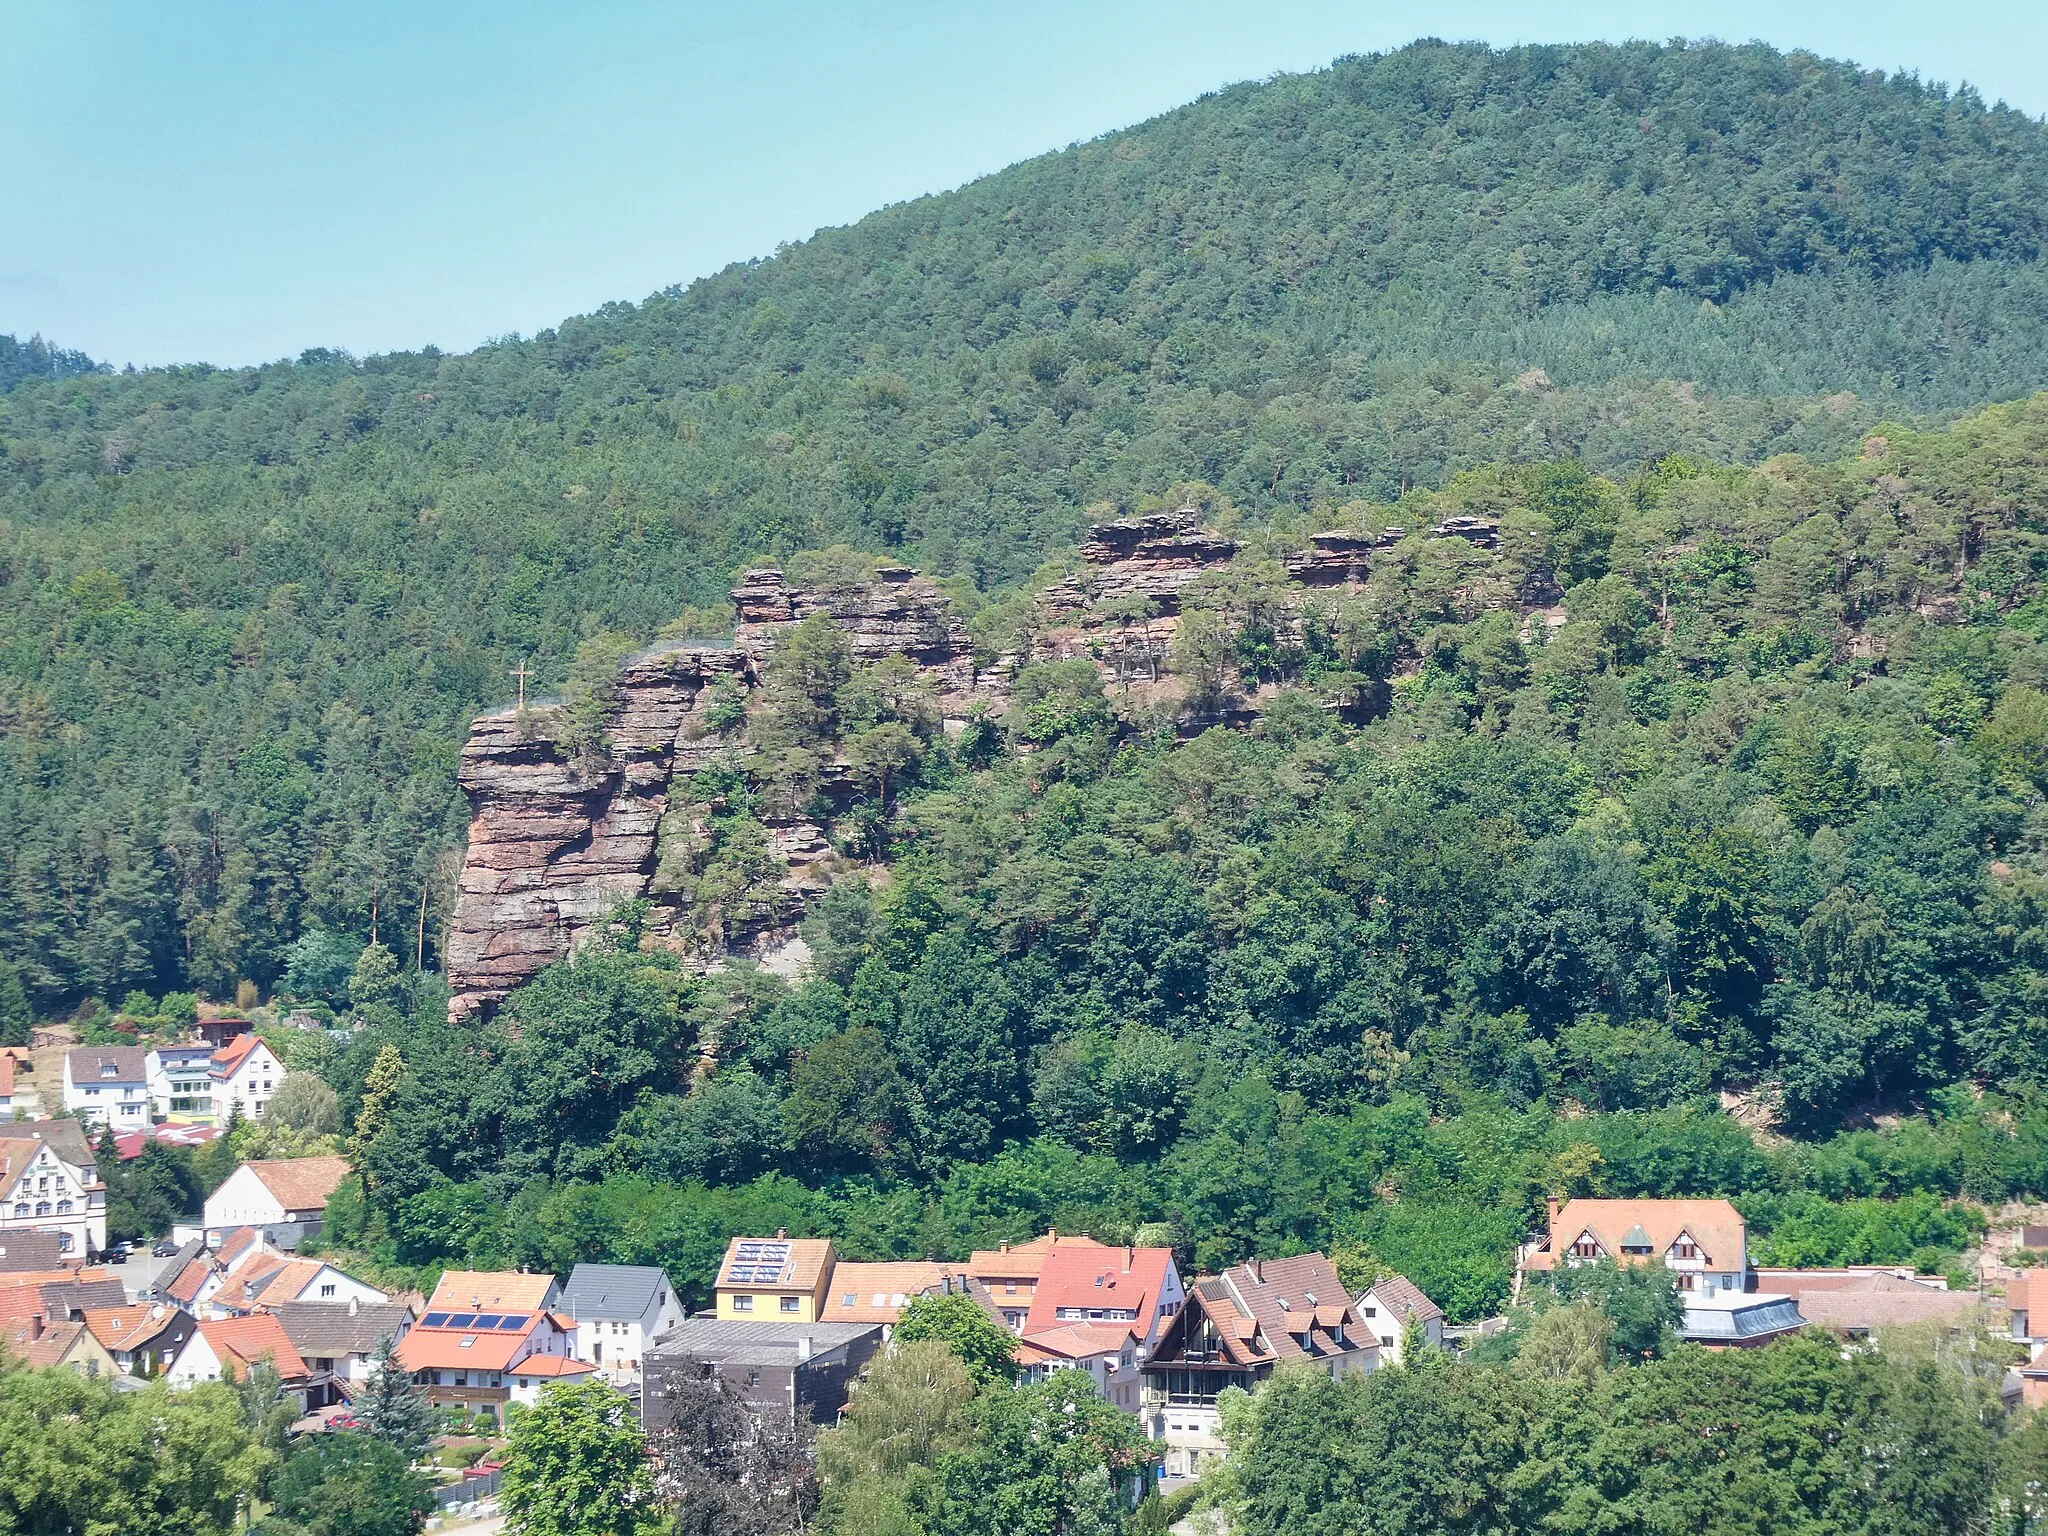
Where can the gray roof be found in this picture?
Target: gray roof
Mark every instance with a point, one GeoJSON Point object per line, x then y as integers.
{"type": "Point", "coordinates": [716, 1342]}
{"type": "Point", "coordinates": [1404, 1295]}
{"type": "Point", "coordinates": [1734, 1316]}
{"type": "Point", "coordinates": [611, 1290]}
{"type": "Point", "coordinates": [329, 1328]}
{"type": "Point", "coordinates": [66, 1138]}
{"type": "Point", "coordinates": [89, 1064]}
{"type": "Point", "coordinates": [63, 1297]}
{"type": "Point", "coordinates": [29, 1251]}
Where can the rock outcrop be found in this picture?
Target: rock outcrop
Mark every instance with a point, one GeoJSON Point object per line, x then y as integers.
{"type": "Point", "coordinates": [558, 837]}
{"type": "Point", "coordinates": [562, 833]}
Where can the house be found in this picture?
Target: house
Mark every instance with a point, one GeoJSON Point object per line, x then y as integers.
{"type": "Point", "coordinates": [878, 1293]}
{"type": "Point", "coordinates": [1235, 1329]}
{"type": "Point", "coordinates": [218, 1027]}
{"type": "Point", "coordinates": [530, 1375]}
{"type": "Point", "coordinates": [1138, 1289]}
{"type": "Point", "coordinates": [181, 1083]}
{"type": "Point", "coordinates": [15, 1093]}
{"type": "Point", "coordinates": [245, 1073]}
{"type": "Point", "coordinates": [143, 1338]}
{"type": "Point", "coordinates": [779, 1278]}
{"type": "Point", "coordinates": [790, 1373]}
{"type": "Point", "coordinates": [1858, 1301]}
{"type": "Point", "coordinates": [481, 1331]}
{"type": "Point", "coordinates": [340, 1344]}
{"type": "Point", "coordinates": [43, 1333]}
{"type": "Point", "coordinates": [50, 1182]}
{"type": "Point", "coordinates": [22, 1252]}
{"type": "Point", "coordinates": [618, 1310]}
{"type": "Point", "coordinates": [107, 1085]}
{"type": "Point", "coordinates": [1107, 1352]}
{"type": "Point", "coordinates": [228, 1349]}
{"type": "Point", "coordinates": [1010, 1271]}
{"type": "Point", "coordinates": [269, 1280]}
{"type": "Point", "coordinates": [1704, 1241]}
{"type": "Point", "coordinates": [1390, 1307]}
{"type": "Point", "coordinates": [263, 1194]}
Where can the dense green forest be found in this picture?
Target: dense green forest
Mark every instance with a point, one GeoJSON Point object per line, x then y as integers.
{"type": "Point", "coordinates": [247, 612]}
{"type": "Point", "coordinates": [1759, 817]}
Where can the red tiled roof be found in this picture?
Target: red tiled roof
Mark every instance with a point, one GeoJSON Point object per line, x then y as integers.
{"type": "Point", "coordinates": [1097, 1276]}
{"type": "Point", "coordinates": [877, 1293]}
{"type": "Point", "coordinates": [247, 1341]}
{"type": "Point", "coordinates": [131, 1326]}
{"type": "Point", "coordinates": [1024, 1261]}
{"type": "Point", "coordinates": [235, 1242]}
{"type": "Point", "coordinates": [475, 1349]}
{"type": "Point", "coordinates": [234, 1053]}
{"type": "Point", "coordinates": [191, 1280]}
{"type": "Point", "coordinates": [1074, 1342]}
{"type": "Point", "coordinates": [6, 1074]}
{"type": "Point", "coordinates": [1714, 1225]}
{"type": "Point", "coordinates": [553, 1365]}
{"type": "Point", "coordinates": [301, 1183]}
{"type": "Point", "coordinates": [491, 1290]}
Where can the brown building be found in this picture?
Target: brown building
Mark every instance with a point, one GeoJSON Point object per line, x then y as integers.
{"type": "Point", "coordinates": [1235, 1329]}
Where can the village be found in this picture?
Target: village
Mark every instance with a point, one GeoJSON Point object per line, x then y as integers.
{"type": "Point", "coordinates": [792, 1324]}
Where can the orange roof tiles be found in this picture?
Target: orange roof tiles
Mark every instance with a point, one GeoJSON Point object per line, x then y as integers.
{"type": "Point", "coordinates": [131, 1326]}
{"type": "Point", "coordinates": [491, 1290]}
{"type": "Point", "coordinates": [1074, 1341]}
{"type": "Point", "coordinates": [878, 1293]}
{"type": "Point", "coordinates": [1714, 1225]}
{"type": "Point", "coordinates": [475, 1349]}
{"type": "Point", "coordinates": [301, 1183]}
{"type": "Point", "coordinates": [553, 1365]}
{"type": "Point", "coordinates": [247, 1341]}
{"type": "Point", "coordinates": [1099, 1278]}
{"type": "Point", "coordinates": [1023, 1261]}
{"type": "Point", "coordinates": [806, 1261]}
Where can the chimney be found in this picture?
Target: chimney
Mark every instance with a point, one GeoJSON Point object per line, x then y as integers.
{"type": "Point", "coordinates": [1553, 1219]}
{"type": "Point", "coordinates": [781, 1233]}
{"type": "Point", "coordinates": [803, 1348]}
{"type": "Point", "coordinates": [1130, 1257]}
{"type": "Point", "coordinates": [1003, 1246]}
{"type": "Point", "coordinates": [355, 1305]}
{"type": "Point", "coordinates": [35, 1327]}
{"type": "Point", "coordinates": [1258, 1267]}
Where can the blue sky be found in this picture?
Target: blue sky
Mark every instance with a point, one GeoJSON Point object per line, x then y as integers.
{"type": "Point", "coordinates": [236, 182]}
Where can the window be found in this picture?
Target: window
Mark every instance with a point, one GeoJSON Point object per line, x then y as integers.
{"type": "Point", "coordinates": [326, 1290]}
{"type": "Point", "coordinates": [1587, 1246]}
{"type": "Point", "coordinates": [753, 1378]}
{"type": "Point", "coordinates": [743, 1303]}
{"type": "Point", "coordinates": [1372, 1311]}
{"type": "Point", "coordinates": [789, 1303]}
{"type": "Point", "coordinates": [1685, 1248]}
{"type": "Point", "coordinates": [847, 1299]}
{"type": "Point", "coordinates": [1685, 1282]}
{"type": "Point", "coordinates": [63, 1207]}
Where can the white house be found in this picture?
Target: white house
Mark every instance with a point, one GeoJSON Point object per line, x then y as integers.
{"type": "Point", "coordinates": [108, 1085]}
{"type": "Point", "coordinates": [228, 1349]}
{"type": "Point", "coordinates": [268, 1194]}
{"type": "Point", "coordinates": [617, 1310]}
{"type": "Point", "coordinates": [1107, 1352]}
{"type": "Point", "coordinates": [1703, 1242]}
{"type": "Point", "coordinates": [1390, 1307]}
{"type": "Point", "coordinates": [181, 1083]}
{"type": "Point", "coordinates": [50, 1182]}
{"type": "Point", "coordinates": [340, 1344]}
{"type": "Point", "coordinates": [271, 1280]}
{"type": "Point", "coordinates": [245, 1075]}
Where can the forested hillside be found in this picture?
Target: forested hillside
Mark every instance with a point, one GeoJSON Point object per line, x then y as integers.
{"type": "Point", "coordinates": [1751, 816]}
{"type": "Point", "coordinates": [248, 611]}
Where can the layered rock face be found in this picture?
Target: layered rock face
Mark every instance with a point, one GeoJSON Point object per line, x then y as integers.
{"type": "Point", "coordinates": [559, 836]}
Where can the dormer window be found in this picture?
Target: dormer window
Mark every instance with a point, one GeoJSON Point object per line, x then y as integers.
{"type": "Point", "coordinates": [1586, 1247]}
{"type": "Point", "coordinates": [109, 1069]}
{"type": "Point", "coordinates": [1685, 1248]}
{"type": "Point", "coordinates": [1637, 1242]}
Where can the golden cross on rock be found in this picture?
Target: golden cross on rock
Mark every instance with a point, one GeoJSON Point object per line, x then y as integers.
{"type": "Point", "coordinates": [522, 674]}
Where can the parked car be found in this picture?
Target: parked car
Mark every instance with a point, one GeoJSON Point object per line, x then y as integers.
{"type": "Point", "coordinates": [163, 1249]}
{"type": "Point", "coordinates": [117, 1255]}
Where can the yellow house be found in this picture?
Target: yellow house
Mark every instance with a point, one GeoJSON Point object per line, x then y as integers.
{"type": "Point", "coordinates": [779, 1279]}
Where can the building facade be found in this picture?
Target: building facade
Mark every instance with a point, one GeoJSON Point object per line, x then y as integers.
{"type": "Point", "coordinates": [50, 1182]}
{"type": "Point", "coordinates": [616, 1311]}
{"type": "Point", "coordinates": [1705, 1243]}
{"type": "Point", "coordinates": [108, 1085]}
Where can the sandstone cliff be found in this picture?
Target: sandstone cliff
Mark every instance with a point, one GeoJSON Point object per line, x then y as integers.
{"type": "Point", "coordinates": [559, 836]}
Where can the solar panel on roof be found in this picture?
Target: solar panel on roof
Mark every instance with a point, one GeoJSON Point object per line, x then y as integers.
{"type": "Point", "coordinates": [488, 1319]}
{"type": "Point", "coordinates": [462, 1320]}
{"type": "Point", "coordinates": [758, 1263]}
{"type": "Point", "coordinates": [435, 1320]}
{"type": "Point", "coordinates": [513, 1322]}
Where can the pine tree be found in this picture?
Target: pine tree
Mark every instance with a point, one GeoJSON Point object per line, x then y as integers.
{"type": "Point", "coordinates": [380, 1087]}
{"type": "Point", "coordinates": [17, 1023]}
{"type": "Point", "coordinates": [390, 1409]}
